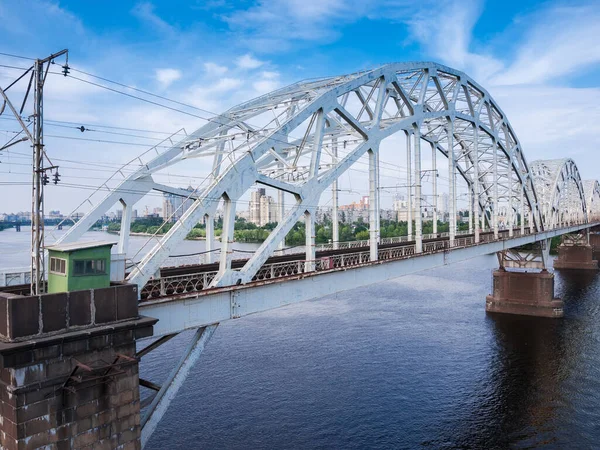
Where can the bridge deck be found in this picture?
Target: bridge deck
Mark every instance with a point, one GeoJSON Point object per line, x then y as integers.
{"type": "Point", "coordinates": [197, 277]}
{"type": "Point", "coordinates": [197, 308]}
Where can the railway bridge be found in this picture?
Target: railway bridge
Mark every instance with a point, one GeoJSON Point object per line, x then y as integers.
{"type": "Point", "coordinates": [297, 141]}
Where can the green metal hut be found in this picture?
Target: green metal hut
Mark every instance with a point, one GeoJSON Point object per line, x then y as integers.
{"type": "Point", "coordinates": [78, 266]}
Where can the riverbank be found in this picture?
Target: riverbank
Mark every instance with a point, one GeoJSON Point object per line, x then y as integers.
{"type": "Point", "coordinates": [133, 233]}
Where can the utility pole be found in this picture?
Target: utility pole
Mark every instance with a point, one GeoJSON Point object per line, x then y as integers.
{"type": "Point", "coordinates": [39, 71]}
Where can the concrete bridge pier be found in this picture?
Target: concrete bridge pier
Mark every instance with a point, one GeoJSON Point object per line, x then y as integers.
{"type": "Point", "coordinates": [524, 293]}
{"type": "Point", "coordinates": [69, 371]}
{"type": "Point", "coordinates": [595, 243]}
{"type": "Point", "coordinates": [527, 291]}
{"type": "Point", "coordinates": [576, 251]}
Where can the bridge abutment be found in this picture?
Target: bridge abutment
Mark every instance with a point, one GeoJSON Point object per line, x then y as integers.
{"type": "Point", "coordinates": [68, 369]}
{"type": "Point", "coordinates": [524, 293]}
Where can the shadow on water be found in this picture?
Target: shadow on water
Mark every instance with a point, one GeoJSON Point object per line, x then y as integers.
{"type": "Point", "coordinates": [525, 404]}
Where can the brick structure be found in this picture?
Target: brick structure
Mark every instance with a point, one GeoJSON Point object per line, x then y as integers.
{"type": "Point", "coordinates": [575, 257]}
{"type": "Point", "coordinates": [525, 293]}
{"type": "Point", "coordinates": [68, 372]}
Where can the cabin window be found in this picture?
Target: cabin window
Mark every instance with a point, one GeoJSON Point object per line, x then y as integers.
{"type": "Point", "coordinates": [89, 267]}
{"type": "Point", "coordinates": [58, 266]}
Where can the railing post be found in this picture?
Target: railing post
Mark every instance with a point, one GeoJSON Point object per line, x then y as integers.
{"type": "Point", "coordinates": [163, 292]}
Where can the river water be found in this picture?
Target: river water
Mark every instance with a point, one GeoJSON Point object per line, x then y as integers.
{"type": "Point", "coordinates": [410, 363]}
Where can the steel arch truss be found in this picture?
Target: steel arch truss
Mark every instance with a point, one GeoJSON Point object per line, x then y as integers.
{"type": "Point", "coordinates": [300, 139]}
{"type": "Point", "coordinates": [560, 192]}
{"type": "Point", "coordinates": [591, 189]}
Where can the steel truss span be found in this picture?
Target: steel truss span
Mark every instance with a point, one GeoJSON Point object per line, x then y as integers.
{"type": "Point", "coordinates": [300, 139]}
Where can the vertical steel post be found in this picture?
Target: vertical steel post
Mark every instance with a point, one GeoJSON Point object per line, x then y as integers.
{"type": "Point", "coordinates": [510, 216]}
{"type": "Point", "coordinates": [123, 244]}
{"type": "Point", "coordinates": [452, 183]}
{"type": "Point", "coordinates": [435, 195]}
{"type": "Point", "coordinates": [335, 220]}
{"type": "Point", "coordinates": [409, 212]}
{"type": "Point", "coordinates": [495, 190]}
{"type": "Point", "coordinates": [475, 156]}
{"type": "Point", "coordinates": [281, 213]}
{"type": "Point", "coordinates": [209, 222]}
{"type": "Point", "coordinates": [37, 206]}
{"type": "Point", "coordinates": [522, 203]}
{"type": "Point", "coordinates": [373, 209]}
{"type": "Point", "coordinates": [418, 213]}
{"type": "Point", "coordinates": [227, 237]}
{"type": "Point", "coordinates": [471, 196]}
{"type": "Point", "coordinates": [309, 234]}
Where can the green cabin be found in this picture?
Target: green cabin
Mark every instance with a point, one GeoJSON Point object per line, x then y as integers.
{"type": "Point", "coordinates": [78, 266]}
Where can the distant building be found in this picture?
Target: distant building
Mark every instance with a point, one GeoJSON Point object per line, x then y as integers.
{"type": "Point", "coordinates": [262, 208]}
{"type": "Point", "coordinates": [400, 206]}
{"type": "Point", "coordinates": [175, 205]}
{"type": "Point", "coordinates": [352, 212]}
{"type": "Point", "coordinates": [254, 206]}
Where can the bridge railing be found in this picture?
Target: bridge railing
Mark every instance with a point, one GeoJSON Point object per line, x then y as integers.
{"type": "Point", "coordinates": [181, 284]}
{"type": "Point", "coordinates": [15, 276]}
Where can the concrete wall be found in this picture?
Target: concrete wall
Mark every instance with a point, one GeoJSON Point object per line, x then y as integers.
{"type": "Point", "coordinates": [68, 370]}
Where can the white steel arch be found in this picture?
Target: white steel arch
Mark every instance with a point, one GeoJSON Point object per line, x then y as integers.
{"type": "Point", "coordinates": [591, 189]}
{"type": "Point", "coordinates": [560, 192]}
{"type": "Point", "coordinates": [301, 138]}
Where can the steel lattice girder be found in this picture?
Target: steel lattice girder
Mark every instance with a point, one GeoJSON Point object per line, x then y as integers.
{"type": "Point", "coordinates": [560, 190]}
{"type": "Point", "coordinates": [311, 132]}
{"type": "Point", "coordinates": [591, 189]}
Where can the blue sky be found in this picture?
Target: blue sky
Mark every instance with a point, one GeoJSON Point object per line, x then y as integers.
{"type": "Point", "coordinates": [540, 60]}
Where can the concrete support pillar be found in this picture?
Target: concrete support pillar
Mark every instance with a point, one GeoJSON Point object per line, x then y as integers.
{"type": "Point", "coordinates": [452, 183]}
{"type": "Point", "coordinates": [595, 243]}
{"type": "Point", "coordinates": [524, 293]}
{"type": "Point", "coordinates": [69, 369]}
{"type": "Point", "coordinates": [418, 212]}
{"type": "Point", "coordinates": [335, 220]}
{"type": "Point", "coordinates": [123, 244]}
{"type": "Point", "coordinates": [209, 221]}
{"type": "Point", "coordinates": [435, 194]}
{"type": "Point", "coordinates": [409, 185]}
{"type": "Point", "coordinates": [373, 205]}
{"type": "Point", "coordinates": [576, 257]}
{"type": "Point", "coordinates": [309, 233]}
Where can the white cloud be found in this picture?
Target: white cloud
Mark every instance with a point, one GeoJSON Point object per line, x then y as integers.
{"type": "Point", "coordinates": [248, 62]}
{"type": "Point", "coordinates": [214, 69]}
{"type": "Point", "coordinates": [145, 12]}
{"type": "Point", "coordinates": [269, 75]}
{"type": "Point", "coordinates": [166, 77]}
{"type": "Point", "coordinates": [561, 41]}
